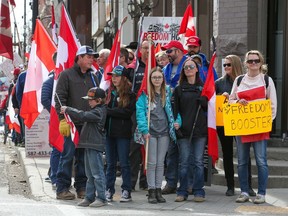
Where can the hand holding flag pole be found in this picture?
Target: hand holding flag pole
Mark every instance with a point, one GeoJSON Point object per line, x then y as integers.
{"type": "Point", "coordinates": [73, 131]}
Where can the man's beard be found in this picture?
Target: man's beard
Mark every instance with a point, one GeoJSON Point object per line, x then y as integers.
{"type": "Point", "coordinates": [192, 53]}
{"type": "Point", "coordinates": [171, 60]}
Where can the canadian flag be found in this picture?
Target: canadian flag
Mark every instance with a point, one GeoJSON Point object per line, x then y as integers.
{"type": "Point", "coordinates": [6, 48]}
{"type": "Point", "coordinates": [53, 26]}
{"type": "Point", "coordinates": [68, 45]}
{"type": "Point", "coordinates": [209, 92]}
{"type": "Point", "coordinates": [187, 25]}
{"type": "Point", "coordinates": [10, 118]}
{"type": "Point", "coordinates": [113, 59]}
{"type": "Point", "coordinates": [39, 65]}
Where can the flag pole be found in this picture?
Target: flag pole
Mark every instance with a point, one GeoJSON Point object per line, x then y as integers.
{"type": "Point", "coordinates": [17, 32]}
{"type": "Point", "coordinates": [149, 97]}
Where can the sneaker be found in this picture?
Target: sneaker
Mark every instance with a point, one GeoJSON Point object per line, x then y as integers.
{"type": "Point", "coordinates": [230, 192]}
{"type": "Point", "coordinates": [168, 190]}
{"type": "Point", "coordinates": [126, 196]}
{"type": "Point", "coordinates": [259, 199]}
{"type": "Point", "coordinates": [180, 199]}
{"type": "Point", "coordinates": [251, 192]}
{"type": "Point", "coordinates": [109, 196]}
{"type": "Point", "coordinates": [81, 194]}
{"type": "Point", "coordinates": [242, 198]}
{"type": "Point", "coordinates": [198, 198]}
{"type": "Point", "coordinates": [98, 203]}
{"type": "Point", "coordinates": [84, 203]}
{"type": "Point", "coordinates": [65, 195]}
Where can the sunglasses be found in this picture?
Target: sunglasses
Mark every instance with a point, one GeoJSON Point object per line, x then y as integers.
{"type": "Point", "coordinates": [170, 51]}
{"type": "Point", "coordinates": [250, 61]}
{"type": "Point", "coordinates": [227, 65]}
{"type": "Point", "coordinates": [186, 67]}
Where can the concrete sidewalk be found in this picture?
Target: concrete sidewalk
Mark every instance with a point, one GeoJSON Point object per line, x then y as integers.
{"type": "Point", "coordinates": [216, 201]}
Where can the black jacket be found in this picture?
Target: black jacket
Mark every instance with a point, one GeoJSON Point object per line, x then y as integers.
{"type": "Point", "coordinates": [223, 84]}
{"type": "Point", "coordinates": [118, 122]}
{"type": "Point", "coordinates": [93, 133]}
{"type": "Point", "coordinates": [72, 85]}
{"type": "Point", "coordinates": [186, 103]}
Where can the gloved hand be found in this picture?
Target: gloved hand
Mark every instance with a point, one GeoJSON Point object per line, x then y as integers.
{"type": "Point", "coordinates": [64, 128]}
{"type": "Point", "coordinates": [202, 100]}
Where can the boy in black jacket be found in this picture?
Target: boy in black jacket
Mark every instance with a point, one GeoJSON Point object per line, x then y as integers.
{"type": "Point", "coordinates": [92, 138]}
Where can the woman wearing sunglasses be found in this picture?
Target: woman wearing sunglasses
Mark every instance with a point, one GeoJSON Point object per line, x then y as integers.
{"type": "Point", "coordinates": [253, 87]}
{"type": "Point", "coordinates": [192, 108]}
{"type": "Point", "coordinates": [233, 68]}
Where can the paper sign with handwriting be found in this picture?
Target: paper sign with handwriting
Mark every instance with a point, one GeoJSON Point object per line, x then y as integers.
{"type": "Point", "coordinates": [254, 118]}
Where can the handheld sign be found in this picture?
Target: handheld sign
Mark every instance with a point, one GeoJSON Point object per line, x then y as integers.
{"type": "Point", "coordinates": [220, 100]}
{"type": "Point", "coordinates": [254, 118]}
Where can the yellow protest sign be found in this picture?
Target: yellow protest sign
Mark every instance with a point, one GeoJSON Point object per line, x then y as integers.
{"type": "Point", "coordinates": [254, 118]}
{"type": "Point", "coordinates": [220, 100]}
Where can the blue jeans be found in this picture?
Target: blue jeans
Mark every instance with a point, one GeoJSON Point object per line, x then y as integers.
{"type": "Point", "coordinates": [172, 161]}
{"type": "Point", "coordinates": [191, 154]}
{"type": "Point", "coordinates": [94, 169]}
{"type": "Point", "coordinates": [118, 147]}
{"type": "Point", "coordinates": [243, 153]}
{"type": "Point", "coordinates": [64, 173]}
{"type": "Point", "coordinates": [54, 164]}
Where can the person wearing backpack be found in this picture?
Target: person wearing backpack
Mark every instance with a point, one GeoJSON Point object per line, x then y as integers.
{"type": "Point", "coordinates": [253, 87]}
{"type": "Point", "coordinates": [233, 68]}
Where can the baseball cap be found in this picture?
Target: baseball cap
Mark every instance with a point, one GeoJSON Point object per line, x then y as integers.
{"type": "Point", "coordinates": [119, 70]}
{"type": "Point", "coordinates": [16, 71]}
{"type": "Point", "coordinates": [95, 93]}
{"type": "Point", "coordinates": [193, 41]}
{"type": "Point", "coordinates": [174, 43]}
{"type": "Point", "coordinates": [85, 50]}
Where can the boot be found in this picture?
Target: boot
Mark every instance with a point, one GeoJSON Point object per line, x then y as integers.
{"type": "Point", "coordinates": [159, 196]}
{"type": "Point", "coordinates": [152, 196]}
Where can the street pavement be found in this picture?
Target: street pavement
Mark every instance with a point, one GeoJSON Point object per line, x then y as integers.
{"type": "Point", "coordinates": [216, 202]}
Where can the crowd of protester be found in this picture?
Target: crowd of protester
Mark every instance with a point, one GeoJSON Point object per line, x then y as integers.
{"type": "Point", "coordinates": [170, 124]}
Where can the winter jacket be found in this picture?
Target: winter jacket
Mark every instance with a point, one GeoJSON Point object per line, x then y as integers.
{"type": "Point", "coordinates": [223, 84]}
{"type": "Point", "coordinates": [47, 91]}
{"type": "Point", "coordinates": [205, 66]}
{"type": "Point", "coordinates": [20, 87]}
{"type": "Point", "coordinates": [186, 104]}
{"type": "Point", "coordinates": [93, 133]}
{"type": "Point", "coordinates": [142, 110]}
{"type": "Point", "coordinates": [72, 85]}
{"type": "Point", "coordinates": [167, 70]}
{"type": "Point", "coordinates": [118, 122]}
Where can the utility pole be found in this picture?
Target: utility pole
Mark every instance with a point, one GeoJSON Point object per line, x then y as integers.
{"type": "Point", "coordinates": [24, 34]}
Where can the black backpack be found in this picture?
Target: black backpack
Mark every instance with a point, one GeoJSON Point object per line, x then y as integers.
{"type": "Point", "coordinates": [266, 78]}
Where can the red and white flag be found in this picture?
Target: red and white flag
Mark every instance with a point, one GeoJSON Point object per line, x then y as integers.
{"type": "Point", "coordinates": [187, 26]}
{"type": "Point", "coordinates": [210, 93]}
{"type": "Point", "coordinates": [6, 48]}
{"type": "Point", "coordinates": [10, 118]}
{"type": "Point", "coordinates": [53, 26]}
{"type": "Point", "coordinates": [113, 59]}
{"type": "Point", "coordinates": [150, 63]}
{"type": "Point", "coordinates": [68, 45]}
{"type": "Point", "coordinates": [39, 65]}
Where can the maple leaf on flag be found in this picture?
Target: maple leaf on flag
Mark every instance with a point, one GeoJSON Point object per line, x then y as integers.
{"type": "Point", "coordinates": [6, 48]}
{"type": "Point", "coordinates": [187, 25]}
{"type": "Point", "coordinates": [39, 66]}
